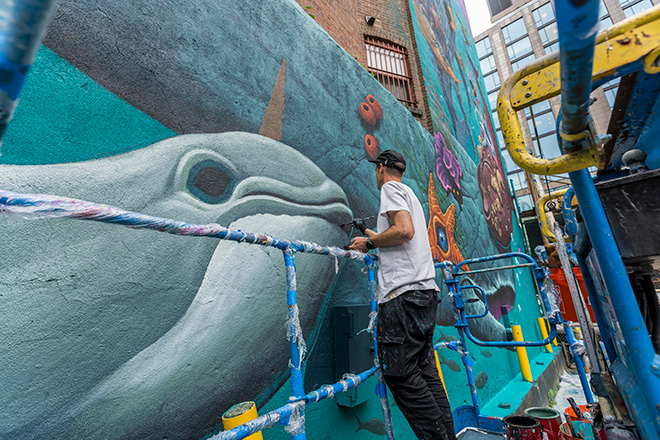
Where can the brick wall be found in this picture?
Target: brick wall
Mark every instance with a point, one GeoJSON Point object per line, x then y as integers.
{"type": "Point", "coordinates": [345, 21]}
{"type": "Point", "coordinates": [340, 19]}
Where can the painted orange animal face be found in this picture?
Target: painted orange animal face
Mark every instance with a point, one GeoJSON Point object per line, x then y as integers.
{"type": "Point", "coordinates": [441, 230]}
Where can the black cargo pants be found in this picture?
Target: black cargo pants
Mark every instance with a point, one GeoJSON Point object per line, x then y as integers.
{"type": "Point", "coordinates": [405, 350]}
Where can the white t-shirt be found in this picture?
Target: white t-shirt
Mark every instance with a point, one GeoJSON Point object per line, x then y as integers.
{"type": "Point", "coordinates": [408, 266]}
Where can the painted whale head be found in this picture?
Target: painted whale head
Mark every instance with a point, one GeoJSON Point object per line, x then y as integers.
{"type": "Point", "coordinates": [116, 333]}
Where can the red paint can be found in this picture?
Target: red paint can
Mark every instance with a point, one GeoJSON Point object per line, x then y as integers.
{"type": "Point", "coordinates": [522, 428]}
{"type": "Point", "coordinates": [549, 418]}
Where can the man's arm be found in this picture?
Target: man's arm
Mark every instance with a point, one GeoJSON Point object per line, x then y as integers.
{"type": "Point", "coordinates": [402, 230]}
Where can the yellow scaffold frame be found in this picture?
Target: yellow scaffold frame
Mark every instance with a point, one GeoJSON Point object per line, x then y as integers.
{"type": "Point", "coordinates": [624, 43]}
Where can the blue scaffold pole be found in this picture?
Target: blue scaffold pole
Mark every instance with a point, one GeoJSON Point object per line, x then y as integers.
{"type": "Point", "coordinates": [640, 349]}
{"type": "Point", "coordinates": [381, 390]}
{"type": "Point", "coordinates": [462, 327]}
{"type": "Point", "coordinates": [22, 25]}
{"type": "Point", "coordinates": [297, 424]}
{"type": "Point", "coordinates": [577, 350]}
{"type": "Point", "coordinates": [451, 279]}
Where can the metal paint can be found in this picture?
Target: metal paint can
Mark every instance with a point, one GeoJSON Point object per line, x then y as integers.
{"type": "Point", "coordinates": [549, 418]}
{"type": "Point", "coordinates": [522, 428]}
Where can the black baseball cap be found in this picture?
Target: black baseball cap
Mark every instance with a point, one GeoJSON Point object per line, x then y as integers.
{"type": "Point", "coordinates": [392, 159]}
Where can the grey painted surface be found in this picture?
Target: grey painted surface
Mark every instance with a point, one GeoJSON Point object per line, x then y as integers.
{"type": "Point", "coordinates": [117, 333]}
{"type": "Point", "coordinates": [210, 66]}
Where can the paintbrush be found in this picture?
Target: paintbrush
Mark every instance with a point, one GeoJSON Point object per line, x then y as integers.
{"type": "Point", "coordinates": [571, 428]}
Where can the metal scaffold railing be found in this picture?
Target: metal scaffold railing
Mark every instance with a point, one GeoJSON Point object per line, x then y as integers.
{"type": "Point", "coordinates": [292, 414]}
{"type": "Point", "coordinates": [454, 274]}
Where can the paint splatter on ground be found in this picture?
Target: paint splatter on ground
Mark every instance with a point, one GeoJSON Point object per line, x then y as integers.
{"type": "Point", "coordinates": [569, 386]}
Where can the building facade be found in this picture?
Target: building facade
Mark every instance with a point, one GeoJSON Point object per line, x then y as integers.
{"type": "Point", "coordinates": [523, 31]}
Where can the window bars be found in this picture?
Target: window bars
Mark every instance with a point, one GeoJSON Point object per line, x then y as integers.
{"type": "Point", "coordinates": [388, 62]}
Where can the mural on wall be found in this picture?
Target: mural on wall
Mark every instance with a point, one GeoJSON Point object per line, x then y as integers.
{"type": "Point", "coordinates": [167, 289]}
{"type": "Point", "coordinates": [464, 140]}
{"type": "Point", "coordinates": [448, 168]}
{"type": "Point", "coordinates": [441, 230]}
{"type": "Point", "coordinates": [470, 208]}
{"type": "Point", "coordinates": [371, 112]}
{"type": "Point", "coordinates": [116, 333]}
{"type": "Point", "coordinates": [457, 100]}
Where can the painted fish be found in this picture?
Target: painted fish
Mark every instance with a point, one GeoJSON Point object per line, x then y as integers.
{"type": "Point", "coordinates": [480, 380]}
{"type": "Point", "coordinates": [446, 338]}
{"type": "Point", "coordinates": [449, 363]}
{"type": "Point", "coordinates": [118, 333]}
{"type": "Point", "coordinates": [486, 353]}
{"type": "Point", "coordinates": [374, 425]}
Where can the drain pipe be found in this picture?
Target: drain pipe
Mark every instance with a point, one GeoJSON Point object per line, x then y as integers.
{"type": "Point", "coordinates": [577, 22]}
{"type": "Point", "coordinates": [22, 25]}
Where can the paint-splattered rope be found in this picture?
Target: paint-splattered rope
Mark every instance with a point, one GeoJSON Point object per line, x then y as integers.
{"type": "Point", "coordinates": [35, 206]}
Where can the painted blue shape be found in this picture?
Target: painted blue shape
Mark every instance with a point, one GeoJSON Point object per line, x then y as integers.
{"type": "Point", "coordinates": [57, 98]}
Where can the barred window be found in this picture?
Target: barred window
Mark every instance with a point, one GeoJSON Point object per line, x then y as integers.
{"type": "Point", "coordinates": [388, 62]}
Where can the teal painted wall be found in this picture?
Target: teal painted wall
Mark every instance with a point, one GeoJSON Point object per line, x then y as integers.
{"type": "Point", "coordinates": [116, 333]}
{"type": "Point", "coordinates": [65, 116]}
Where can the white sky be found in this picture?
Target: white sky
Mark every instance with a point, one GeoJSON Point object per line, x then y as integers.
{"type": "Point", "coordinates": [478, 15]}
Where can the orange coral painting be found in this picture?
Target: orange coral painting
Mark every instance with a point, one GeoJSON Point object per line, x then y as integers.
{"type": "Point", "coordinates": [441, 229]}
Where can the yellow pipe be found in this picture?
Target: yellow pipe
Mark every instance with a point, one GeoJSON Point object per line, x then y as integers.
{"type": "Point", "coordinates": [651, 62]}
{"type": "Point", "coordinates": [625, 42]}
{"type": "Point", "coordinates": [543, 218]}
{"type": "Point", "coordinates": [539, 81]}
{"type": "Point", "coordinates": [513, 136]}
{"type": "Point", "coordinates": [522, 355]}
{"type": "Point", "coordinates": [238, 414]}
{"type": "Point", "coordinates": [437, 363]}
{"type": "Point", "coordinates": [544, 333]}
{"type": "Point", "coordinates": [547, 329]}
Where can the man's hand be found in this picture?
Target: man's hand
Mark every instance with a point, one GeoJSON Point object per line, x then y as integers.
{"type": "Point", "coordinates": [360, 225]}
{"type": "Point", "coordinates": [359, 244]}
{"type": "Point", "coordinates": [402, 230]}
